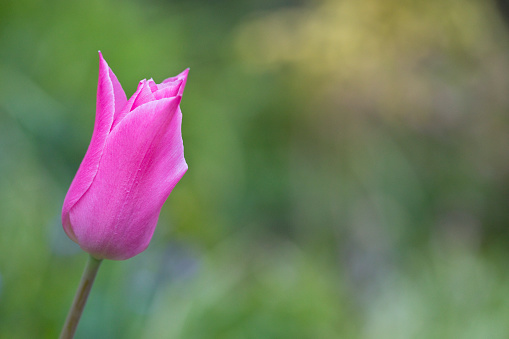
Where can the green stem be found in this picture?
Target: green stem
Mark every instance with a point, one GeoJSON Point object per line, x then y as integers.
{"type": "Point", "coordinates": [80, 299]}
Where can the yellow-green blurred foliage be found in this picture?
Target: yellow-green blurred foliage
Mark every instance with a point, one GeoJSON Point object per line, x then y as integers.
{"type": "Point", "coordinates": [348, 168]}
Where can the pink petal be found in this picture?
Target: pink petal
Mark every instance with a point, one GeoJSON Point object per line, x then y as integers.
{"type": "Point", "coordinates": [144, 96]}
{"type": "Point", "coordinates": [182, 76]}
{"type": "Point", "coordinates": [119, 94]}
{"type": "Point", "coordinates": [152, 85]}
{"type": "Point", "coordinates": [128, 107]}
{"type": "Point", "coordinates": [168, 90]}
{"type": "Point", "coordinates": [143, 160]}
{"type": "Point", "coordinates": [110, 98]}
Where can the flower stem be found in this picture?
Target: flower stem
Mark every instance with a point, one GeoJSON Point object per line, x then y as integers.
{"type": "Point", "coordinates": [80, 299]}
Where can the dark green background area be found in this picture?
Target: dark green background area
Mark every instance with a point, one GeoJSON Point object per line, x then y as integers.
{"type": "Point", "coordinates": [348, 168]}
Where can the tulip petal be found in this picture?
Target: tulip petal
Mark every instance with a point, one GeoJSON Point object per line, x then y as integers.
{"type": "Point", "coordinates": [110, 98]}
{"type": "Point", "coordinates": [119, 94]}
{"type": "Point", "coordinates": [144, 96]}
{"type": "Point", "coordinates": [151, 83]}
{"type": "Point", "coordinates": [168, 90]}
{"type": "Point", "coordinates": [142, 161]}
{"type": "Point", "coordinates": [128, 106]}
{"type": "Point", "coordinates": [182, 76]}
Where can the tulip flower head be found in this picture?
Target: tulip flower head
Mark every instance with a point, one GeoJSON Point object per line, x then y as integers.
{"type": "Point", "coordinates": [133, 162]}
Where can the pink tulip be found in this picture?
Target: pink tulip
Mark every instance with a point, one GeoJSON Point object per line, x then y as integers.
{"type": "Point", "coordinates": [135, 158]}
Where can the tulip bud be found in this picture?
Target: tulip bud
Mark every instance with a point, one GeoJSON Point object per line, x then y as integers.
{"type": "Point", "coordinates": [135, 158]}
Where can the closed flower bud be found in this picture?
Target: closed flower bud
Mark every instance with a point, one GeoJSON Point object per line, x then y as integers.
{"type": "Point", "coordinates": [134, 160]}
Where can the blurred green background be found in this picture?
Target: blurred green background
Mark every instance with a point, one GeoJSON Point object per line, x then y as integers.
{"type": "Point", "coordinates": [348, 168]}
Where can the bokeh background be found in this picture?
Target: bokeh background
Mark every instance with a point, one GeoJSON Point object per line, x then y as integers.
{"type": "Point", "coordinates": [348, 168]}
